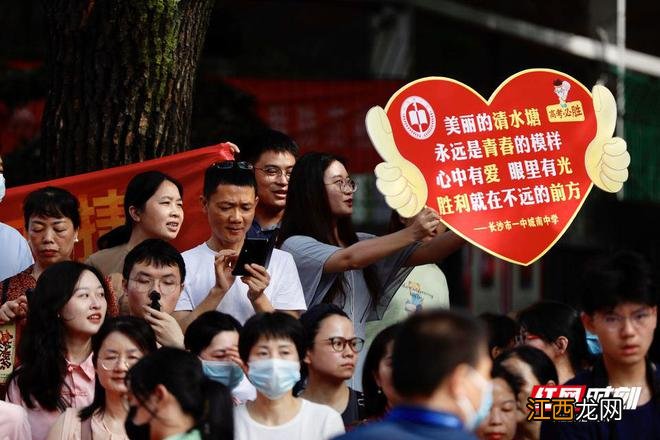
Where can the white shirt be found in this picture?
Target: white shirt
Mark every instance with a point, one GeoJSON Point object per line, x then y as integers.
{"type": "Point", "coordinates": [16, 255]}
{"type": "Point", "coordinates": [313, 421]}
{"type": "Point", "coordinates": [284, 291]}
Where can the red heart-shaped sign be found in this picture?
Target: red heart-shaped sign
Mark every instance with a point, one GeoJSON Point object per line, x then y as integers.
{"type": "Point", "coordinates": [507, 174]}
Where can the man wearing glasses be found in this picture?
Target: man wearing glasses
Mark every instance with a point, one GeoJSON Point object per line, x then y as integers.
{"type": "Point", "coordinates": [153, 279]}
{"type": "Point", "coordinates": [619, 306]}
{"type": "Point", "coordinates": [229, 202]}
{"type": "Point", "coordinates": [273, 155]}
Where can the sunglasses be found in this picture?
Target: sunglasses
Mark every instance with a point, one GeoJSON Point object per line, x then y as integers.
{"type": "Point", "coordinates": [229, 164]}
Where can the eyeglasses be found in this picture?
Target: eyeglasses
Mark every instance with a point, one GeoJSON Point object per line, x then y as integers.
{"type": "Point", "coordinates": [166, 286]}
{"type": "Point", "coordinates": [275, 172]}
{"type": "Point", "coordinates": [339, 344]}
{"type": "Point", "coordinates": [614, 322]}
{"type": "Point", "coordinates": [113, 361]}
{"type": "Point", "coordinates": [347, 185]}
{"type": "Point", "coordinates": [229, 164]}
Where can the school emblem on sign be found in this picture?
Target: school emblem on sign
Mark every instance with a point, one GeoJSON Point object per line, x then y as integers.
{"type": "Point", "coordinates": [508, 173]}
{"type": "Point", "coordinates": [417, 117]}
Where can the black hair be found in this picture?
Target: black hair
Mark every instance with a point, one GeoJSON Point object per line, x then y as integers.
{"type": "Point", "coordinates": [156, 252]}
{"type": "Point", "coordinates": [135, 329]}
{"type": "Point", "coordinates": [623, 277]}
{"type": "Point", "coordinates": [541, 365]}
{"type": "Point", "coordinates": [138, 191]}
{"type": "Point", "coordinates": [234, 175]}
{"type": "Point", "coordinates": [311, 321]}
{"type": "Point", "coordinates": [271, 326]}
{"type": "Point", "coordinates": [429, 347]}
{"type": "Point", "coordinates": [42, 349]}
{"type": "Point", "coordinates": [549, 320]}
{"type": "Point", "coordinates": [374, 399]}
{"type": "Point", "coordinates": [514, 381]}
{"type": "Point", "coordinates": [51, 202]}
{"type": "Point", "coordinates": [208, 402]}
{"type": "Point", "coordinates": [308, 213]}
{"type": "Point", "coordinates": [202, 330]}
{"type": "Point", "coordinates": [502, 331]}
{"type": "Point", "coordinates": [268, 140]}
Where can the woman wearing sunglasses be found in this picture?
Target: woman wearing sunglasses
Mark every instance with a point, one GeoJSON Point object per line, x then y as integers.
{"type": "Point", "coordinates": [335, 264]}
{"type": "Point", "coordinates": [330, 360]}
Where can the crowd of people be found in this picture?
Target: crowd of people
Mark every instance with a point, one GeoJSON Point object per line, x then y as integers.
{"type": "Point", "coordinates": [144, 342]}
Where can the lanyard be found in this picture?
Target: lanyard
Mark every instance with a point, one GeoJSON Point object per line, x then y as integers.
{"type": "Point", "coordinates": [425, 417]}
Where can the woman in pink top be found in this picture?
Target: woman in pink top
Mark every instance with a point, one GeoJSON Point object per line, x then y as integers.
{"type": "Point", "coordinates": [68, 307]}
{"type": "Point", "coordinates": [118, 345]}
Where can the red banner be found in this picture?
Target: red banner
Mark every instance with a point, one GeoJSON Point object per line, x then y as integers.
{"type": "Point", "coordinates": [322, 115]}
{"type": "Point", "coordinates": [101, 195]}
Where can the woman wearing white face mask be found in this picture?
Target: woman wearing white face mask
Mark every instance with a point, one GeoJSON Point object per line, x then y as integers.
{"type": "Point", "coordinates": [270, 345]}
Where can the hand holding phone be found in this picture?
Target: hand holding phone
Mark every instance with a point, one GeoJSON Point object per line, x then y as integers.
{"type": "Point", "coordinates": [254, 251]}
{"type": "Point", "coordinates": [154, 296]}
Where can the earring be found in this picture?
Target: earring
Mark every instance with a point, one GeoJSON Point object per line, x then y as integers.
{"type": "Point", "coordinates": [379, 391]}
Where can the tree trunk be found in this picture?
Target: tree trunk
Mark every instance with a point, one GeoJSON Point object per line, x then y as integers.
{"type": "Point", "coordinates": [121, 75]}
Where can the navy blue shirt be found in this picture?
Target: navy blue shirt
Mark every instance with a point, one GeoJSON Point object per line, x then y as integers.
{"type": "Point", "coordinates": [412, 423]}
{"type": "Point", "coordinates": [640, 423]}
{"type": "Point", "coordinates": [256, 231]}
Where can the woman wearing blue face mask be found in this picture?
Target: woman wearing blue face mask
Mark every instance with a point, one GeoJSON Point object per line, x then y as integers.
{"type": "Point", "coordinates": [213, 337]}
{"type": "Point", "coordinates": [270, 345]}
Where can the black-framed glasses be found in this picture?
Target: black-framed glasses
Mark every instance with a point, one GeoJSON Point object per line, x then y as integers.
{"type": "Point", "coordinates": [166, 286]}
{"type": "Point", "coordinates": [275, 172]}
{"type": "Point", "coordinates": [338, 343]}
{"type": "Point", "coordinates": [347, 185]}
{"type": "Point", "coordinates": [229, 164]}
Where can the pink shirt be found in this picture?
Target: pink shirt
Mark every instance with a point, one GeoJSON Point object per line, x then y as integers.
{"type": "Point", "coordinates": [69, 427]}
{"type": "Point", "coordinates": [79, 394]}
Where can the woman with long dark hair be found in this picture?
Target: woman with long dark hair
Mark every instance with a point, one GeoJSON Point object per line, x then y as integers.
{"type": "Point", "coordinates": [119, 344]}
{"type": "Point", "coordinates": [557, 330]}
{"type": "Point", "coordinates": [335, 264]}
{"type": "Point", "coordinates": [153, 208]}
{"type": "Point", "coordinates": [379, 393]}
{"type": "Point", "coordinates": [66, 309]}
{"type": "Point", "coordinates": [171, 396]}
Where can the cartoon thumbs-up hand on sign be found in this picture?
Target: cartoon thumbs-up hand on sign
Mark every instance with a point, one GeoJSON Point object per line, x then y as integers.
{"type": "Point", "coordinates": [399, 180]}
{"type": "Point", "coordinates": [606, 158]}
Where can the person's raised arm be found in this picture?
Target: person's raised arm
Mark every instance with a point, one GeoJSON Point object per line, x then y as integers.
{"type": "Point", "coordinates": [436, 249]}
{"type": "Point", "coordinates": [366, 252]}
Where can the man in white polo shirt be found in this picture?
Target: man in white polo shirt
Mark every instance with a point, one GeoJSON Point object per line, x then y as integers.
{"type": "Point", "coordinates": [229, 201]}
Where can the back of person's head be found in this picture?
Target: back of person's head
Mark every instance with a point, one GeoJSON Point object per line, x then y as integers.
{"type": "Point", "coordinates": [430, 346]}
{"type": "Point", "coordinates": [268, 140]}
{"type": "Point", "coordinates": [276, 325]}
{"type": "Point", "coordinates": [138, 191]}
{"type": "Point", "coordinates": [180, 372]}
{"type": "Point", "coordinates": [51, 202]}
{"type": "Point", "coordinates": [374, 397]}
{"type": "Point", "coordinates": [154, 252]}
{"type": "Point", "coordinates": [135, 329]}
{"type": "Point", "coordinates": [42, 348]}
{"type": "Point", "coordinates": [502, 332]}
{"type": "Point", "coordinates": [231, 173]}
{"type": "Point", "coordinates": [542, 366]}
{"type": "Point", "coordinates": [623, 277]}
{"type": "Point", "coordinates": [202, 330]}
{"type": "Point", "coordinates": [550, 321]}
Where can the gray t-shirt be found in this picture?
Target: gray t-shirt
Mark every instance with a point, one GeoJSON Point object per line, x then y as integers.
{"type": "Point", "coordinates": [310, 255]}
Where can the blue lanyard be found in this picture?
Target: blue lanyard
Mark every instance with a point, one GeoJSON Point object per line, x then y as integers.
{"type": "Point", "coordinates": [425, 416]}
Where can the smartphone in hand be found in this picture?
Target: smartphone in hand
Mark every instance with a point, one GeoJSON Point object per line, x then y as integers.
{"type": "Point", "coordinates": [154, 296]}
{"type": "Point", "coordinates": [254, 251]}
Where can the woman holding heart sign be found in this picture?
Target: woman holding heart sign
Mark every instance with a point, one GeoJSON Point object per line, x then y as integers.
{"type": "Point", "coordinates": [335, 264]}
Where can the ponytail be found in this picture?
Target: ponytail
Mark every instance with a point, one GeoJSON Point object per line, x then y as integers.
{"type": "Point", "coordinates": [217, 404]}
